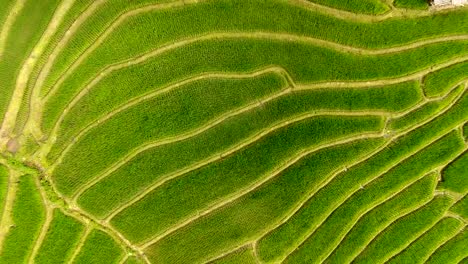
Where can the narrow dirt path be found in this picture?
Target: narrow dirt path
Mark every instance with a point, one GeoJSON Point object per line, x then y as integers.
{"type": "Point", "coordinates": [49, 214]}
{"type": "Point", "coordinates": [10, 19]}
{"type": "Point", "coordinates": [32, 124]}
{"type": "Point", "coordinates": [22, 79]}
{"type": "Point", "coordinates": [7, 221]}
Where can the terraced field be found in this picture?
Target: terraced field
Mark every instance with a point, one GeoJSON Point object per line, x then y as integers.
{"type": "Point", "coordinates": [233, 131]}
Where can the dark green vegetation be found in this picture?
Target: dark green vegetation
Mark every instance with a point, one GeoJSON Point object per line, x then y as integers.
{"type": "Point", "coordinates": [233, 131]}
{"type": "Point", "coordinates": [412, 4]}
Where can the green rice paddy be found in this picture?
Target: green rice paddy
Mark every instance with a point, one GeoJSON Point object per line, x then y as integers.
{"type": "Point", "coordinates": [233, 131]}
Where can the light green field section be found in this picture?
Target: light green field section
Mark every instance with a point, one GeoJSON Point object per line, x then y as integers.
{"type": "Point", "coordinates": [373, 222]}
{"type": "Point", "coordinates": [425, 112]}
{"type": "Point", "coordinates": [396, 237]}
{"type": "Point", "coordinates": [27, 215]}
{"type": "Point", "coordinates": [25, 30]}
{"type": "Point", "coordinates": [455, 175]}
{"type": "Point", "coordinates": [60, 240]}
{"type": "Point", "coordinates": [243, 255]}
{"type": "Point", "coordinates": [439, 82]}
{"type": "Point", "coordinates": [422, 248]}
{"type": "Point", "coordinates": [461, 207]}
{"type": "Point", "coordinates": [98, 248]}
{"type": "Point", "coordinates": [233, 131]}
{"type": "Point", "coordinates": [453, 251]}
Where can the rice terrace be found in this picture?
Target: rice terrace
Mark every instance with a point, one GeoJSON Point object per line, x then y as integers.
{"type": "Point", "coordinates": [233, 131]}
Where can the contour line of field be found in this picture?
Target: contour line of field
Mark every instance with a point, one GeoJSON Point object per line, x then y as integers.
{"type": "Point", "coordinates": [341, 14]}
{"type": "Point", "coordinates": [150, 95]}
{"type": "Point", "coordinates": [227, 253]}
{"type": "Point", "coordinates": [252, 139]}
{"type": "Point", "coordinates": [33, 115]}
{"type": "Point", "coordinates": [247, 142]}
{"type": "Point", "coordinates": [352, 84]}
{"type": "Point", "coordinates": [388, 223]}
{"type": "Point", "coordinates": [114, 24]}
{"type": "Point", "coordinates": [332, 174]}
{"type": "Point", "coordinates": [412, 239]}
{"type": "Point", "coordinates": [49, 209]}
{"type": "Point", "coordinates": [463, 229]}
{"type": "Point", "coordinates": [260, 182]}
{"type": "Point", "coordinates": [9, 119]}
{"type": "Point", "coordinates": [404, 132]}
{"type": "Point", "coordinates": [223, 203]}
{"type": "Point", "coordinates": [408, 241]}
{"type": "Point", "coordinates": [379, 176]}
{"type": "Point", "coordinates": [373, 207]}
{"type": "Point", "coordinates": [431, 118]}
{"type": "Point", "coordinates": [431, 251]}
{"type": "Point", "coordinates": [202, 129]}
{"type": "Point", "coordinates": [434, 192]}
{"type": "Point", "coordinates": [439, 99]}
{"type": "Point", "coordinates": [81, 242]}
{"type": "Point", "coordinates": [284, 37]}
{"type": "Point", "coordinates": [342, 231]}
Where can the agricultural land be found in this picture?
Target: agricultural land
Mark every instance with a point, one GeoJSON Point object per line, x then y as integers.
{"type": "Point", "coordinates": [233, 131]}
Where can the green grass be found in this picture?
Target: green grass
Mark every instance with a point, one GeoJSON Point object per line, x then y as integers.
{"type": "Point", "coordinates": [205, 186]}
{"type": "Point", "coordinates": [260, 210]}
{"type": "Point", "coordinates": [439, 82]}
{"type": "Point", "coordinates": [424, 112]}
{"type": "Point", "coordinates": [99, 248]}
{"type": "Point", "coordinates": [412, 4]}
{"type": "Point", "coordinates": [61, 239]}
{"type": "Point", "coordinates": [421, 249]}
{"type": "Point", "coordinates": [454, 250]}
{"type": "Point", "coordinates": [178, 112]}
{"type": "Point", "coordinates": [455, 176]}
{"type": "Point", "coordinates": [327, 236]}
{"type": "Point", "coordinates": [461, 207]}
{"type": "Point", "coordinates": [373, 7]}
{"type": "Point", "coordinates": [396, 237]}
{"type": "Point", "coordinates": [145, 168]}
{"type": "Point", "coordinates": [244, 255]}
{"type": "Point", "coordinates": [28, 216]}
{"type": "Point", "coordinates": [371, 223]}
